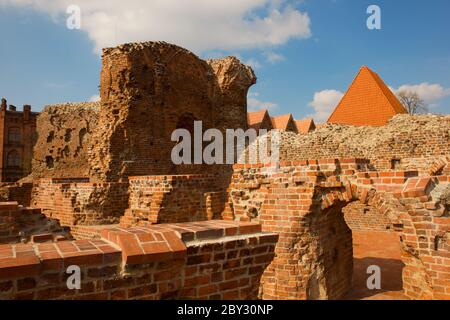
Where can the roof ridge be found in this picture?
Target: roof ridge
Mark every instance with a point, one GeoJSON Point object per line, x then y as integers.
{"type": "Point", "coordinates": [284, 118]}
{"type": "Point", "coordinates": [256, 111]}
{"type": "Point", "coordinates": [346, 92]}
{"type": "Point", "coordinates": [307, 124]}
{"type": "Point", "coordinates": [394, 103]}
{"type": "Point", "coordinates": [283, 115]}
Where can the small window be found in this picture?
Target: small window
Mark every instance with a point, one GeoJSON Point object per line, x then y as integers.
{"type": "Point", "coordinates": [14, 159]}
{"type": "Point", "coordinates": [14, 135]}
{"type": "Point", "coordinates": [395, 164]}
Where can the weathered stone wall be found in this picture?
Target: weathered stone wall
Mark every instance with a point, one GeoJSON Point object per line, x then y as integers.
{"type": "Point", "coordinates": [148, 90]}
{"type": "Point", "coordinates": [406, 142]}
{"type": "Point", "coordinates": [209, 260]}
{"type": "Point", "coordinates": [63, 142]}
{"type": "Point", "coordinates": [233, 79]}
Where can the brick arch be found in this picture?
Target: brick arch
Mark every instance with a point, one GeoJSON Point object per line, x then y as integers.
{"type": "Point", "coordinates": [286, 201]}
{"type": "Point", "coordinates": [334, 201]}
{"type": "Point", "coordinates": [325, 267]}
{"type": "Point", "coordinates": [316, 244]}
{"type": "Point", "coordinates": [419, 215]}
{"type": "Point", "coordinates": [386, 203]}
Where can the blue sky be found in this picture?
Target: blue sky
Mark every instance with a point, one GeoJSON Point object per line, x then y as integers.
{"type": "Point", "coordinates": [305, 53]}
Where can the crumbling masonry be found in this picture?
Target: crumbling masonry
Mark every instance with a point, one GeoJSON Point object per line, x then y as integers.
{"type": "Point", "coordinates": [145, 228]}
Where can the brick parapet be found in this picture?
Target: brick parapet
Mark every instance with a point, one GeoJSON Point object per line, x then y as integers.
{"type": "Point", "coordinates": [208, 260]}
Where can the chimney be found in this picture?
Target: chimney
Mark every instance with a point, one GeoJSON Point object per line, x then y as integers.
{"type": "Point", "coordinates": [3, 108]}
{"type": "Point", "coordinates": [12, 108]}
{"type": "Point", "coordinates": [26, 112]}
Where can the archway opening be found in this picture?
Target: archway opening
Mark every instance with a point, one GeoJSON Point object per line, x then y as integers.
{"type": "Point", "coordinates": [376, 253]}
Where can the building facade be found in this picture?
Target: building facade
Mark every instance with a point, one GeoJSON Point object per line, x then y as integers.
{"type": "Point", "coordinates": [17, 138]}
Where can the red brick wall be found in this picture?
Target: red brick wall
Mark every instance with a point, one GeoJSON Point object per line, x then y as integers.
{"type": "Point", "coordinates": [63, 140]}
{"type": "Point", "coordinates": [180, 198]}
{"type": "Point", "coordinates": [302, 201]}
{"type": "Point", "coordinates": [363, 217]}
{"type": "Point", "coordinates": [2, 135]}
{"type": "Point", "coordinates": [80, 202]}
{"type": "Point", "coordinates": [21, 224]}
{"type": "Point", "coordinates": [20, 192]}
{"type": "Point", "coordinates": [209, 260]}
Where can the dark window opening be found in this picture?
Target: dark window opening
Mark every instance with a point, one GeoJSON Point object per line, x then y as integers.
{"type": "Point", "coordinates": [13, 159]}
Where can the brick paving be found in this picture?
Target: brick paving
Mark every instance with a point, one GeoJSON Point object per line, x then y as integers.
{"type": "Point", "coordinates": [379, 248]}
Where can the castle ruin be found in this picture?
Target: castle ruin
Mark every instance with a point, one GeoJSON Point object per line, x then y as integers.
{"type": "Point", "coordinates": [111, 201]}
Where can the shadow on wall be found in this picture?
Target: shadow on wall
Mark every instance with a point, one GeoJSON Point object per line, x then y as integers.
{"type": "Point", "coordinates": [391, 276]}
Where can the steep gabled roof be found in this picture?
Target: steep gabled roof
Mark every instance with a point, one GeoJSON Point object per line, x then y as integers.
{"type": "Point", "coordinates": [320, 125]}
{"type": "Point", "coordinates": [368, 101]}
{"type": "Point", "coordinates": [304, 126]}
{"type": "Point", "coordinates": [393, 100]}
{"type": "Point", "coordinates": [256, 118]}
{"type": "Point", "coordinates": [283, 122]}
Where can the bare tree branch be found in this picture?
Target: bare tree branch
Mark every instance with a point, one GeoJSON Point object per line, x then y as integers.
{"type": "Point", "coordinates": [412, 102]}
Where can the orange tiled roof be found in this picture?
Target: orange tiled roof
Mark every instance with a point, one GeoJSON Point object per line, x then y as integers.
{"type": "Point", "coordinates": [254, 119]}
{"type": "Point", "coordinates": [304, 126]}
{"type": "Point", "coordinates": [368, 101]}
{"type": "Point", "coordinates": [281, 122]}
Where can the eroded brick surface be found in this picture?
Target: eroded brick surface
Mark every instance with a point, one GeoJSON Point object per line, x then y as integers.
{"type": "Point", "coordinates": [77, 201]}
{"type": "Point", "coordinates": [180, 198]}
{"type": "Point", "coordinates": [21, 224]}
{"type": "Point", "coordinates": [150, 89]}
{"type": "Point", "coordinates": [63, 142]}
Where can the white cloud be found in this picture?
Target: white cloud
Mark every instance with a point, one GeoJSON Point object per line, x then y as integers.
{"type": "Point", "coordinates": [428, 92]}
{"type": "Point", "coordinates": [324, 103]}
{"type": "Point", "coordinates": [198, 25]}
{"type": "Point", "coordinates": [273, 57]}
{"type": "Point", "coordinates": [94, 98]}
{"type": "Point", "coordinates": [253, 63]}
{"type": "Point", "coordinates": [254, 104]}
